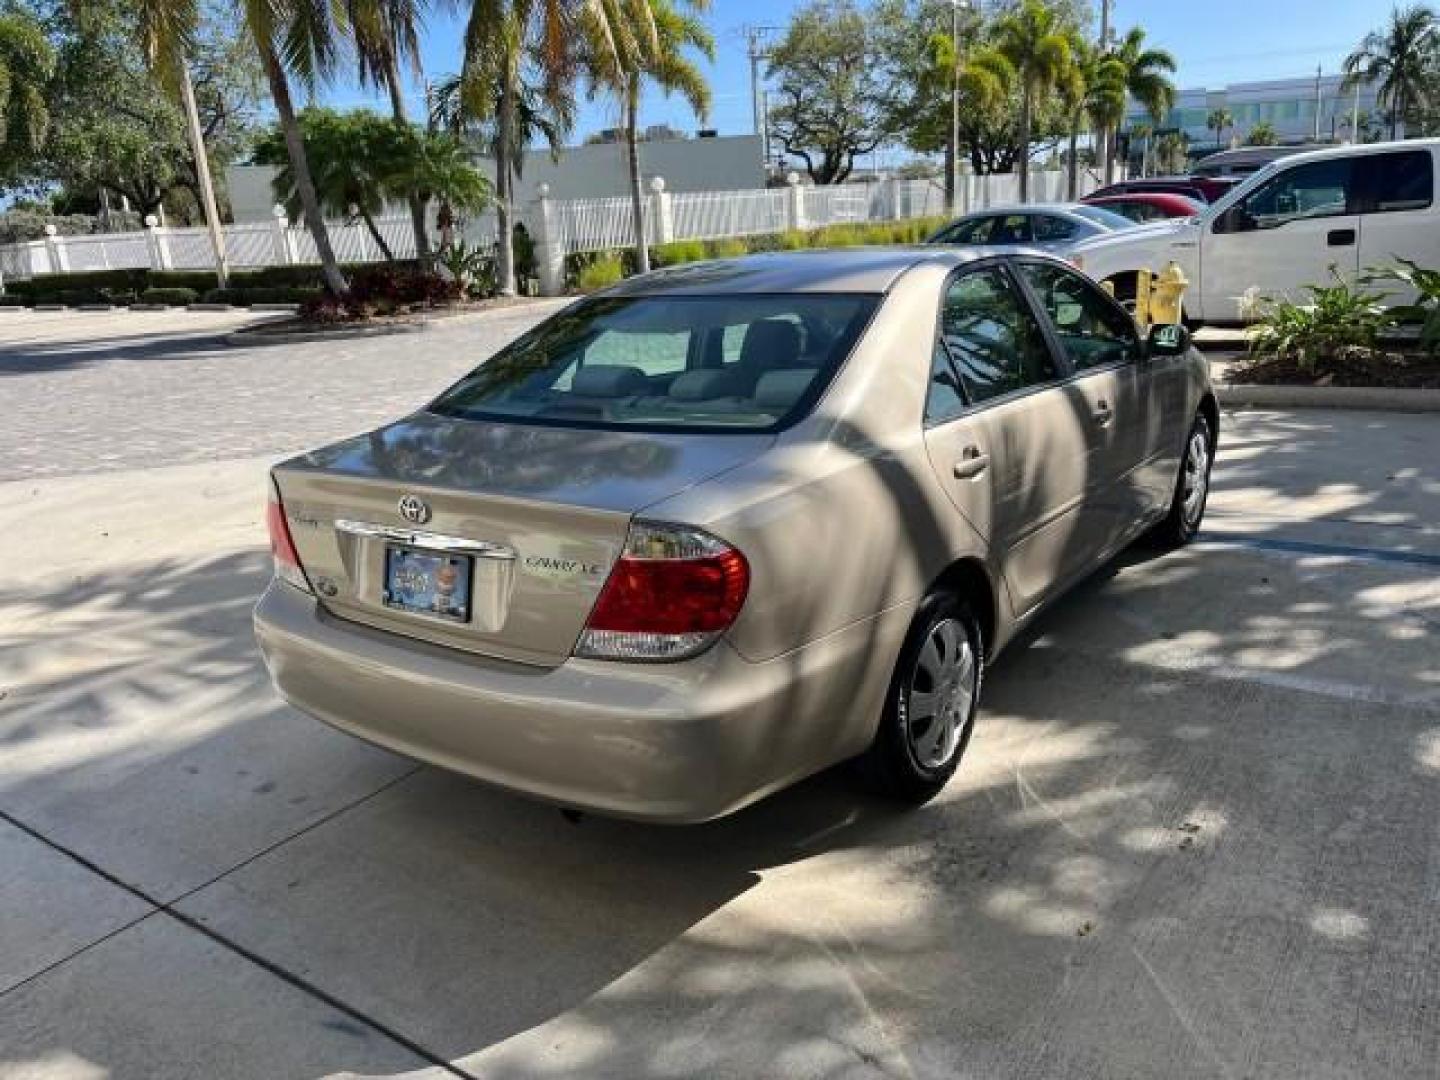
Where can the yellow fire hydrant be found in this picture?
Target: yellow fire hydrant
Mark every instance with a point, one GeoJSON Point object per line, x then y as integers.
{"type": "Point", "coordinates": [1166, 296]}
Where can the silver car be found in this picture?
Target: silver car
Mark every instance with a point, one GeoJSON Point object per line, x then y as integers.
{"type": "Point", "coordinates": [718, 528]}
{"type": "Point", "coordinates": [1052, 227]}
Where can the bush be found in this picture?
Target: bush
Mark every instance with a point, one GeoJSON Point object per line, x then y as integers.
{"type": "Point", "coordinates": [198, 280]}
{"type": "Point", "coordinates": [174, 297]}
{"type": "Point", "coordinates": [601, 273]}
{"type": "Point", "coordinates": [99, 285]}
{"type": "Point", "coordinates": [246, 296]}
{"type": "Point", "coordinates": [727, 249]}
{"type": "Point", "coordinates": [12, 300]}
{"type": "Point", "coordinates": [681, 251]}
{"type": "Point", "coordinates": [1340, 320]}
{"type": "Point", "coordinates": [1426, 309]}
{"type": "Point", "coordinates": [383, 289]}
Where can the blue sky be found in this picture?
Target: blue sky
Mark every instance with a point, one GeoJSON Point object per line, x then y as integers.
{"type": "Point", "coordinates": [1215, 41]}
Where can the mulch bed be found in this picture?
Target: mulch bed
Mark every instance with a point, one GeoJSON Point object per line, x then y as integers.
{"type": "Point", "coordinates": [301, 325]}
{"type": "Point", "coordinates": [1407, 371]}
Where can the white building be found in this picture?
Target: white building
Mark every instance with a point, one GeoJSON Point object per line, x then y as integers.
{"type": "Point", "coordinates": [711, 164]}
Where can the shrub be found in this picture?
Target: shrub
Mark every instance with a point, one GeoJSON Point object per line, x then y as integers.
{"type": "Point", "coordinates": [678, 252]}
{"type": "Point", "coordinates": [601, 273]}
{"type": "Point", "coordinates": [1340, 319]}
{"type": "Point", "coordinates": [175, 297]}
{"type": "Point", "coordinates": [727, 249]}
{"type": "Point", "coordinates": [12, 300]}
{"type": "Point", "coordinates": [246, 296]}
{"type": "Point", "coordinates": [388, 286]}
{"type": "Point", "coordinates": [198, 280]}
{"type": "Point", "coordinates": [1426, 308]}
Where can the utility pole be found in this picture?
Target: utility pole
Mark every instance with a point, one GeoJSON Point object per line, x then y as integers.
{"type": "Point", "coordinates": [1108, 137]}
{"type": "Point", "coordinates": [202, 174]}
{"type": "Point", "coordinates": [1355, 116]}
{"type": "Point", "coordinates": [952, 148]}
{"type": "Point", "coordinates": [1104, 24]}
{"type": "Point", "coordinates": [1319, 101]}
{"type": "Point", "coordinates": [755, 49]}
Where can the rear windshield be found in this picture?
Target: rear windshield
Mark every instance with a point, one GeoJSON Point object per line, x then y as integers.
{"type": "Point", "coordinates": [731, 363]}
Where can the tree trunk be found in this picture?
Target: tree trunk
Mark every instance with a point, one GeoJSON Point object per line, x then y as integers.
{"type": "Point", "coordinates": [632, 155]}
{"type": "Point", "coordinates": [397, 110]}
{"type": "Point", "coordinates": [304, 183]}
{"type": "Point", "coordinates": [376, 235]}
{"type": "Point", "coordinates": [1023, 146]}
{"type": "Point", "coordinates": [1072, 181]}
{"type": "Point", "coordinates": [1111, 138]}
{"type": "Point", "coordinates": [504, 184]}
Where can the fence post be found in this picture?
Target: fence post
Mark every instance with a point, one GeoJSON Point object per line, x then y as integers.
{"type": "Point", "coordinates": [283, 242]}
{"type": "Point", "coordinates": [55, 251]}
{"type": "Point", "coordinates": [795, 204]}
{"type": "Point", "coordinates": [662, 213]}
{"type": "Point", "coordinates": [157, 243]}
{"type": "Point", "coordinates": [549, 244]}
{"type": "Point", "coordinates": [891, 198]}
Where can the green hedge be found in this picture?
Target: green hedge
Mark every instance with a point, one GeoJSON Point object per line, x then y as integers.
{"type": "Point", "coordinates": [257, 294]}
{"type": "Point", "coordinates": [176, 297]}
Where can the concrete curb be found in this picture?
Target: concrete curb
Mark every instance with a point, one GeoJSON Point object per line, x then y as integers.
{"type": "Point", "coordinates": [1381, 399]}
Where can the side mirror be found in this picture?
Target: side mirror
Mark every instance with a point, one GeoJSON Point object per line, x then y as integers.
{"type": "Point", "coordinates": [1167, 339]}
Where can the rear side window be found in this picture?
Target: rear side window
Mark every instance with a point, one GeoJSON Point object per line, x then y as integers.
{"type": "Point", "coordinates": [1050, 227]}
{"type": "Point", "coordinates": [992, 337]}
{"type": "Point", "coordinates": [1398, 181]}
{"type": "Point", "coordinates": [724, 363]}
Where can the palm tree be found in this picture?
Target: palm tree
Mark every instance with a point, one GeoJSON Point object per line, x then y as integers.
{"type": "Point", "coordinates": [652, 45]}
{"type": "Point", "coordinates": [1147, 80]}
{"type": "Point", "coordinates": [985, 80]}
{"type": "Point", "coordinates": [1263, 134]}
{"type": "Point", "coordinates": [1093, 91]}
{"type": "Point", "coordinates": [1037, 45]}
{"type": "Point", "coordinates": [26, 64]}
{"type": "Point", "coordinates": [1143, 131]}
{"type": "Point", "coordinates": [1218, 121]}
{"type": "Point", "coordinates": [387, 36]}
{"type": "Point", "coordinates": [291, 37]}
{"type": "Point", "coordinates": [1402, 58]}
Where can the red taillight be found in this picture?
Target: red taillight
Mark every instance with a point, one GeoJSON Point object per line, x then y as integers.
{"type": "Point", "coordinates": [670, 594]}
{"type": "Point", "coordinates": [282, 547]}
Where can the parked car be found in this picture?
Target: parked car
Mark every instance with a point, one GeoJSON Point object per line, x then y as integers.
{"type": "Point", "coordinates": [1205, 189]}
{"type": "Point", "coordinates": [1349, 207]}
{"type": "Point", "coordinates": [1244, 160]}
{"type": "Point", "coordinates": [1054, 228]}
{"type": "Point", "coordinates": [722, 526]}
{"type": "Point", "coordinates": [1144, 207]}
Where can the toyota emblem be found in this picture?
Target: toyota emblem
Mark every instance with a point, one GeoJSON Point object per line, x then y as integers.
{"type": "Point", "coordinates": [413, 508]}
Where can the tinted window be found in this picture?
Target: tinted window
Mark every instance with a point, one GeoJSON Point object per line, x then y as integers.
{"type": "Point", "coordinates": [1318, 189]}
{"type": "Point", "coordinates": [1403, 181]}
{"type": "Point", "coordinates": [1094, 332]}
{"type": "Point", "coordinates": [993, 338]}
{"type": "Point", "coordinates": [663, 362]}
{"type": "Point", "coordinates": [1051, 227]}
{"type": "Point", "coordinates": [945, 401]}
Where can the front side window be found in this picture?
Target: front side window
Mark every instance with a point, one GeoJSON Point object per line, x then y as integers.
{"type": "Point", "coordinates": [1399, 181]}
{"type": "Point", "coordinates": [1050, 227]}
{"type": "Point", "coordinates": [992, 336]}
{"type": "Point", "coordinates": [1315, 190]}
{"type": "Point", "coordinates": [731, 363]}
{"type": "Point", "coordinates": [973, 231]}
{"type": "Point", "coordinates": [1094, 332]}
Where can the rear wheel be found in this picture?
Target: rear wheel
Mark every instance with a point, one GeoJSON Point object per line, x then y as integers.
{"type": "Point", "coordinates": [931, 705]}
{"type": "Point", "coordinates": [1192, 487]}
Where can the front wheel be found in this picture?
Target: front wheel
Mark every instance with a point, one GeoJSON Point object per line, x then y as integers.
{"type": "Point", "coordinates": [1192, 487]}
{"type": "Point", "coordinates": [930, 709]}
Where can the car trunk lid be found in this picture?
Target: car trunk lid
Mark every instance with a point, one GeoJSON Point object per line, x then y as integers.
{"type": "Point", "coordinates": [535, 516]}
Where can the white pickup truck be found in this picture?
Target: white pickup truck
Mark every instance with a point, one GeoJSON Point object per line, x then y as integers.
{"type": "Point", "coordinates": [1350, 207]}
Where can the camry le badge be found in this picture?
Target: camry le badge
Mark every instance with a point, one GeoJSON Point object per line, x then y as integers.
{"type": "Point", "coordinates": [415, 509]}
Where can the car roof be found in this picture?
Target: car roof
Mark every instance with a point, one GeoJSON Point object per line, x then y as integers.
{"type": "Point", "coordinates": [832, 270]}
{"type": "Point", "coordinates": [1359, 150]}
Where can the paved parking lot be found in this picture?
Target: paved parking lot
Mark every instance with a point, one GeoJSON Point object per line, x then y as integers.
{"type": "Point", "coordinates": [1195, 836]}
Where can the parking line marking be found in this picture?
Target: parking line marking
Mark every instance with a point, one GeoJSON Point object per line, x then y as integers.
{"type": "Point", "coordinates": [1305, 547]}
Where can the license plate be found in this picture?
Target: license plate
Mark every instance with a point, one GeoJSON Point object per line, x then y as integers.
{"type": "Point", "coordinates": [428, 583]}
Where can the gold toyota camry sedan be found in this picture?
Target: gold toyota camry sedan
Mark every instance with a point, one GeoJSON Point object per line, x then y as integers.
{"type": "Point", "coordinates": [718, 528]}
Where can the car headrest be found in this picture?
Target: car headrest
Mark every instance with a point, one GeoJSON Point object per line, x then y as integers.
{"type": "Point", "coordinates": [609, 381]}
{"type": "Point", "coordinates": [770, 345]}
{"type": "Point", "coordinates": [777, 391]}
{"type": "Point", "coordinates": [705, 385]}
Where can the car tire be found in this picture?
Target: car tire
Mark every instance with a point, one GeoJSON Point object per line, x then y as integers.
{"type": "Point", "coordinates": [931, 703]}
{"type": "Point", "coordinates": [1192, 487]}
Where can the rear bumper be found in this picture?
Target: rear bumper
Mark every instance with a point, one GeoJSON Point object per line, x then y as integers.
{"type": "Point", "coordinates": [680, 742]}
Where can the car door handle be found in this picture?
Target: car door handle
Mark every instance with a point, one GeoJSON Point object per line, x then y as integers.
{"type": "Point", "coordinates": [971, 464]}
{"type": "Point", "coordinates": [1104, 414]}
{"type": "Point", "coordinates": [1340, 237]}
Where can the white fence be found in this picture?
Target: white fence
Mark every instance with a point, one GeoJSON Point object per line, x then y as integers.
{"type": "Point", "coordinates": [557, 227]}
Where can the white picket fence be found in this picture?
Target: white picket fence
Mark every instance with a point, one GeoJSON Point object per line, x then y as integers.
{"type": "Point", "coordinates": [558, 227]}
